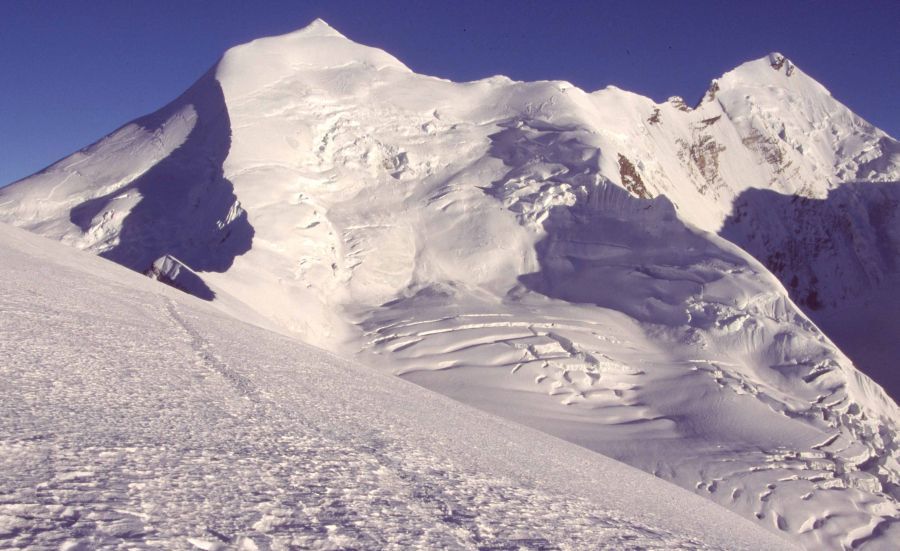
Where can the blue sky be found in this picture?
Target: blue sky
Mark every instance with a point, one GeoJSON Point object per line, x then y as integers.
{"type": "Point", "coordinates": [72, 71]}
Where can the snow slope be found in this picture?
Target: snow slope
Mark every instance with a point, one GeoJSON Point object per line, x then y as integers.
{"type": "Point", "coordinates": [136, 416]}
{"type": "Point", "coordinates": [537, 251]}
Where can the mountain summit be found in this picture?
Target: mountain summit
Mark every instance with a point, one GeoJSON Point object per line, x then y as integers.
{"type": "Point", "coordinates": [633, 277]}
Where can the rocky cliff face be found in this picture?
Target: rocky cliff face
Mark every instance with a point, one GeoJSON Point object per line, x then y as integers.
{"type": "Point", "coordinates": [538, 251]}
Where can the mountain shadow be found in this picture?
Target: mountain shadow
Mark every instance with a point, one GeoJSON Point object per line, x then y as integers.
{"type": "Point", "coordinates": [603, 245]}
{"type": "Point", "coordinates": [628, 254]}
{"type": "Point", "coordinates": [838, 258]}
{"type": "Point", "coordinates": [188, 209]}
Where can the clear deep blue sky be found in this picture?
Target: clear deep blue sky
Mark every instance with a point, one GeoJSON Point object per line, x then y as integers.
{"type": "Point", "coordinates": [71, 71]}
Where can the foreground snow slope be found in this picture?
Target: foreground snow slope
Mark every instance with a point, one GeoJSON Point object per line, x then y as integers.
{"type": "Point", "coordinates": [135, 416]}
{"type": "Point", "coordinates": [539, 252]}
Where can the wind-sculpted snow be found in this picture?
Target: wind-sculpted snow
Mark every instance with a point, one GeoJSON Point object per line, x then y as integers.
{"type": "Point", "coordinates": [136, 418]}
{"type": "Point", "coordinates": [540, 252]}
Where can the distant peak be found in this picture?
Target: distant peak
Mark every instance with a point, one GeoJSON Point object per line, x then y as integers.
{"type": "Point", "coordinates": [772, 70]}
{"type": "Point", "coordinates": [319, 27]}
{"type": "Point", "coordinates": [778, 62]}
{"type": "Point", "coordinates": [253, 66]}
{"type": "Point", "coordinates": [761, 68]}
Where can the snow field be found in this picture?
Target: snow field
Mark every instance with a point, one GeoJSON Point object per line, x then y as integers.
{"type": "Point", "coordinates": [137, 417]}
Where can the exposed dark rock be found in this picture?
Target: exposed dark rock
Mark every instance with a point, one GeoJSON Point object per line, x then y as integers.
{"type": "Point", "coordinates": [631, 178]}
{"type": "Point", "coordinates": [679, 103]}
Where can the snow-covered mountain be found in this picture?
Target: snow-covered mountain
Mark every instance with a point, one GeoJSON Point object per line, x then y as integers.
{"type": "Point", "coordinates": [633, 277]}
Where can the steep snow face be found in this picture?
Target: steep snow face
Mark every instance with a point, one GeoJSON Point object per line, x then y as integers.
{"type": "Point", "coordinates": [252, 67]}
{"type": "Point", "coordinates": [532, 249]}
{"type": "Point", "coordinates": [154, 187]}
{"type": "Point", "coordinates": [793, 122]}
{"type": "Point", "coordinates": [136, 416]}
{"type": "Point", "coordinates": [763, 125]}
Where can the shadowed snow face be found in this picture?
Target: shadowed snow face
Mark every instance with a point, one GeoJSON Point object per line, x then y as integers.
{"type": "Point", "coordinates": [838, 258]}
{"type": "Point", "coordinates": [601, 244]}
{"type": "Point", "coordinates": [825, 251]}
{"type": "Point", "coordinates": [187, 208]}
